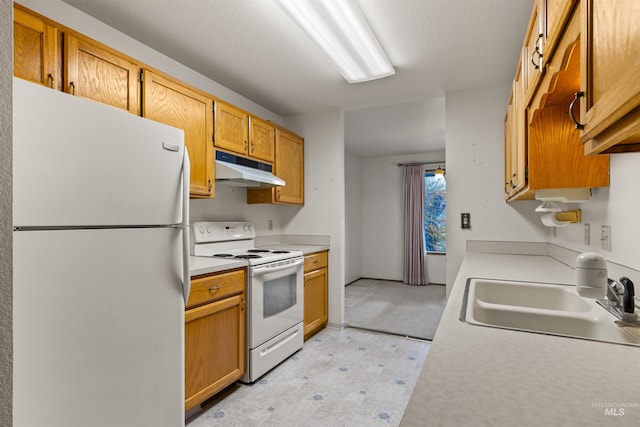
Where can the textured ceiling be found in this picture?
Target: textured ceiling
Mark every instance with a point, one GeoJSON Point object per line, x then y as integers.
{"type": "Point", "coordinates": [252, 48]}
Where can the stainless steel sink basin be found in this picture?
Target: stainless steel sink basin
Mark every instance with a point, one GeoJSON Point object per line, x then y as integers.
{"type": "Point", "coordinates": [541, 308]}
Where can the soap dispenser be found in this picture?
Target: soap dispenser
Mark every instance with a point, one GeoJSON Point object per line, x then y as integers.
{"type": "Point", "coordinates": [591, 275]}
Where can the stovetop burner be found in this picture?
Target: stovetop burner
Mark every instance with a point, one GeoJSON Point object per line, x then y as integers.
{"type": "Point", "coordinates": [235, 241]}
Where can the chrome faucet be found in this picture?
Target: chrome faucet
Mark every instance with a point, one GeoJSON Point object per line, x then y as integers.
{"type": "Point", "coordinates": [621, 301]}
{"type": "Point", "coordinates": [615, 293]}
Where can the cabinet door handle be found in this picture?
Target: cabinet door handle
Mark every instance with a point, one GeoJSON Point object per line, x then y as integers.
{"type": "Point", "coordinates": [52, 81]}
{"type": "Point", "coordinates": [72, 85]}
{"type": "Point", "coordinates": [278, 194]}
{"type": "Point", "coordinates": [253, 147]}
{"type": "Point", "coordinates": [246, 146]}
{"type": "Point", "coordinates": [210, 185]}
{"type": "Point", "coordinates": [537, 52]}
{"type": "Point", "coordinates": [244, 304]}
{"type": "Point", "coordinates": [215, 288]}
{"type": "Point", "coordinates": [578, 95]}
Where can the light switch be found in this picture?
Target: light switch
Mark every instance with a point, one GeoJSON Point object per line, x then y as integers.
{"type": "Point", "coordinates": [466, 220]}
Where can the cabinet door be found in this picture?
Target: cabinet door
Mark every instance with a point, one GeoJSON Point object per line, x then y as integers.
{"type": "Point", "coordinates": [261, 139]}
{"type": "Point", "coordinates": [520, 147]}
{"type": "Point", "coordinates": [231, 132]}
{"type": "Point", "coordinates": [509, 141]}
{"type": "Point", "coordinates": [316, 311]}
{"type": "Point", "coordinates": [35, 50]}
{"type": "Point", "coordinates": [289, 166]}
{"type": "Point", "coordinates": [214, 348]}
{"type": "Point", "coordinates": [515, 137]}
{"type": "Point", "coordinates": [97, 72]}
{"type": "Point", "coordinates": [177, 105]}
{"type": "Point", "coordinates": [554, 16]}
{"type": "Point", "coordinates": [610, 56]}
{"type": "Point", "coordinates": [532, 53]}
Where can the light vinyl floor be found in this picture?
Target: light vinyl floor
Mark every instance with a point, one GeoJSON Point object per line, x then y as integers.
{"type": "Point", "coordinates": [341, 377]}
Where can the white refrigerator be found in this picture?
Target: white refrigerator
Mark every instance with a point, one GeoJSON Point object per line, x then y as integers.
{"type": "Point", "coordinates": [100, 264]}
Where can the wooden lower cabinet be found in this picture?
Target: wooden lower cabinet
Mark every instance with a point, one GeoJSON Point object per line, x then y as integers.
{"type": "Point", "coordinates": [215, 335]}
{"type": "Point", "coordinates": [316, 293]}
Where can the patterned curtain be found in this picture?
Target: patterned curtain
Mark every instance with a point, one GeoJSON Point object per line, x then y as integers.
{"type": "Point", "coordinates": [414, 270]}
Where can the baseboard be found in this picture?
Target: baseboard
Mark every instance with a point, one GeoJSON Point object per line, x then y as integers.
{"type": "Point", "coordinates": [387, 280]}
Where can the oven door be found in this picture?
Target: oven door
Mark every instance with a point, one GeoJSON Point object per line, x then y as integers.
{"type": "Point", "coordinates": [276, 299]}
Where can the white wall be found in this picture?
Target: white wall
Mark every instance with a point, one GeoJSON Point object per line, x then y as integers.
{"type": "Point", "coordinates": [436, 267]}
{"type": "Point", "coordinates": [6, 248]}
{"type": "Point", "coordinates": [618, 207]}
{"type": "Point", "coordinates": [475, 176]}
{"type": "Point", "coordinates": [353, 246]}
{"type": "Point", "coordinates": [324, 209]}
{"type": "Point", "coordinates": [382, 218]}
{"type": "Point", "coordinates": [230, 204]}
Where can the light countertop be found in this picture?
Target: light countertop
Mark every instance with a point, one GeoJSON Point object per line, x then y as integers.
{"type": "Point", "coordinates": [483, 376]}
{"type": "Point", "coordinates": [305, 248]}
{"type": "Point", "coordinates": [203, 265]}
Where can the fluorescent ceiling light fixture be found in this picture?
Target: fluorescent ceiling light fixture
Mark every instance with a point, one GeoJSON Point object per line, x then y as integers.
{"type": "Point", "coordinates": [339, 29]}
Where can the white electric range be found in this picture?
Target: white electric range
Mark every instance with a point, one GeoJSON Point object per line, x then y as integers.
{"type": "Point", "coordinates": [275, 286]}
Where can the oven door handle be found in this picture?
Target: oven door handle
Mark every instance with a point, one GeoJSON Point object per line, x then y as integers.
{"type": "Point", "coordinates": [256, 271]}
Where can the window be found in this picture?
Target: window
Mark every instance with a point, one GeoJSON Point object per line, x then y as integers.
{"type": "Point", "coordinates": [435, 233]}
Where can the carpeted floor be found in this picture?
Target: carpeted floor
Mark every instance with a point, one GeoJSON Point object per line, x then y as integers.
{"type": "Point", "coordinates": [394, 307]}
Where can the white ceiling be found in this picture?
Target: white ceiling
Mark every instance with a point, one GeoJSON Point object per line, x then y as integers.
{"type": "Point", "coordinates": [252, 48]}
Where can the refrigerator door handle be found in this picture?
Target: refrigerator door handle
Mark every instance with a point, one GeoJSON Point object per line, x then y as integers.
{"type": "Point", "coordinates": [184, 226]}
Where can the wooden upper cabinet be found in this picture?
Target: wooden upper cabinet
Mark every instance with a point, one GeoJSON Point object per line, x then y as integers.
{"type": "Point", "coordinates": [95, 71]}
{"type": "Point", "coordinates": [35, 49]}
{"type": "Point", "coordinates": [546, 138]}
{"type": "Point", "coordinates": [241, 133]}
{"type": "Point", "coordinates": [261, 139]}
{"type": "Point", "coordinates": [178, 105]}
{"type": "Point", "coordinates": [610, 80]}
{"type": "Point", "coordinates": [288, 165]}
{"type": "Point", "coordinates": [231, 129]}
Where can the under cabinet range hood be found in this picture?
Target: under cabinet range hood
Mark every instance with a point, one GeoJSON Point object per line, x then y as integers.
{"type": "Point", "coordinates": [242, 172]}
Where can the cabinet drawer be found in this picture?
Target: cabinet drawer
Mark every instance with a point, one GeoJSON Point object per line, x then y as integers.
{"type": "Point", "coordinates": [215, 286]}
{"type": "Point", "coordinates": [315, 261]}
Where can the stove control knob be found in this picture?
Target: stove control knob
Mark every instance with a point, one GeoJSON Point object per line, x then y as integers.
{"type": "Point", "coordinates": [246, 228]}
{"type": "Point", "coordinates": [201, 230]}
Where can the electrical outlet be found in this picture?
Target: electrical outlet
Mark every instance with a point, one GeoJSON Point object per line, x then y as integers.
{"type": "Point", "coordinates": [605, 238]}
{"type": "Point", "coordinates": [587, 234]}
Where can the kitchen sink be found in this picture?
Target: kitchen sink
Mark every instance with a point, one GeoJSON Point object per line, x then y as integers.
{"type": "Point", "coordinates": [546, 308]}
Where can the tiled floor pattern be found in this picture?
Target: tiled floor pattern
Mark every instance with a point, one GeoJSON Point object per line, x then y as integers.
{"type": "Point", "coordinates": [341, 377]}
